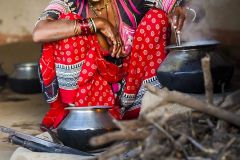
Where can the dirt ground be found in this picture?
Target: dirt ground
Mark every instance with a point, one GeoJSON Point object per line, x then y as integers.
{"type": "Point", "coordinates": [23, 115]}
{"type": "Point", "coordinates": [22, 112]}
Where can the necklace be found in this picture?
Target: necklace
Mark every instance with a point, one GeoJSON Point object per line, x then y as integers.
{"type": "Point", "coordinates": [95, 9]}
{"type": "Point", "coordinates": [106, 7]}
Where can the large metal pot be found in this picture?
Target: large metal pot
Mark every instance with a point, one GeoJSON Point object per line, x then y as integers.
{"type": "Point", "coordinates": [25, 79]}
{"type": "Point", "coordinates": [3, 77]}
{"type": "Point", "coordinates": [83, 123]}
{"type": "Point", "coordinates": [182, 71]}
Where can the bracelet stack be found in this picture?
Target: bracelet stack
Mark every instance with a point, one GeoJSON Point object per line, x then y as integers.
{"type": "Point", "coordinates": [84, 27]}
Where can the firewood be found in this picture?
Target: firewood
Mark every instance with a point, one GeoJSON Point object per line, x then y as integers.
{"type": "Point", "coordinates": [192, 102]}
{"type": "Point", "coordinates": [222, 152]}
{"type": "Point", "coordinates": [115, 150]}
{"type": "Point", "coordinates": [174, 125]}
{"type": "Point", "coordinates": [207, 79]}
{"type": "Point", "coordinates": [119, 135]}
{"type": "Point", "coordinates": [231, 100]}
{"type": "Point", "coordinates": [127, 124]}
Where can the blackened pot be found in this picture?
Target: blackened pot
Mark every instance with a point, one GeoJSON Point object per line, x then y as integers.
{"type": "Point", "coordinates": [25, 79]}
{"type": "Point", "coordinates": [83, 123]}
{"type": "Point", "coordinates": [182, 71]}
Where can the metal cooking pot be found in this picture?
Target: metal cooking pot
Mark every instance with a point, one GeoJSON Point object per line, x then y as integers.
{"type": "Point", "coordinates": [3, 77]}
{"type": "Point", "coordinates": [83, 123]}
{"type": "Point", "coordinates": [182, 71]}
{"type": "Point", "coordinates": [25, 79]}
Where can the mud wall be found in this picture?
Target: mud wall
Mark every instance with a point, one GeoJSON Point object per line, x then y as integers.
{"type": "Point", "coordinates": [225, 23]}
{"type": "Point", "coordinates": [17, 18]}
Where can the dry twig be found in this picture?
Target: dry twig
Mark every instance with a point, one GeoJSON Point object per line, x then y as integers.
{"type": "Point", "coordinates": [192, 102]}
{"type": "Point", "coordinates": [119, 135]}
{"type": "Point", "coordinates": [222, 152]}
{"type": "Point", "coordinates": [148, 137]}
{"type": "Point", "coordinates": [207, 79]}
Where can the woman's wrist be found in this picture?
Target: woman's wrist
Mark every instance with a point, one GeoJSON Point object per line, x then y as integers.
{"type": "Point", "coordinates": [84, 27]}
{"type": "Point", "coordinates": [99, 22]}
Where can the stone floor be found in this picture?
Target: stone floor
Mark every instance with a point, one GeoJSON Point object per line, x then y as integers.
{"type": "Point", "coordinates": [21, 112]}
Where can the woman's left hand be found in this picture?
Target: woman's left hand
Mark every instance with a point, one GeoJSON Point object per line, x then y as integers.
{"type": "Point", "coordinates": [177, 17]}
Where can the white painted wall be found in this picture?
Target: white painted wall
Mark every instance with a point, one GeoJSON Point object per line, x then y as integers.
{"type": "Point", "coordinates": [18, 16]}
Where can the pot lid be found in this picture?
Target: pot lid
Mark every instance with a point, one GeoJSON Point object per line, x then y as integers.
{"type": "Point", "coordinates": [195, 44]}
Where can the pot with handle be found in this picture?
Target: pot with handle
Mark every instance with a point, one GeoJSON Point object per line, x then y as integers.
{"type": "Point", "coordinates": [182, 71]}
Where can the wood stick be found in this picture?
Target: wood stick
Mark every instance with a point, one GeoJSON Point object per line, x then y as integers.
{"type": "Point", "coordinates": [207, 79]}
{"type": "Point", "coordinates": [114, 150]}
{"type": "Point", "coordinates": [153, 152]}
{"type": "Point", "coordinates": [169, 136]}
{"type": "Point", "coordinates": [195, 143]}
{"type": "Point", "coordinates": [231, 100]}
{"type": "Point", "coordinates": [192, 102]}
{"type": "Point", "coordinates": [198, 158]}
{"type": "Point", "coordinates": [129, 124]}
{"type": "Point", "coordinates": [160, 128]}
{"type": "Point", "coordinates": [225, 148]}
{"type": "Point", "coordinates": [119, 135]}
{"type": "Point", "coordinates": [201, 147]}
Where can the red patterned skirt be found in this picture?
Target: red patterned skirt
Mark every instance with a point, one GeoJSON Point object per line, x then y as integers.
{"type": "Point", "coordinates": [77, 71]}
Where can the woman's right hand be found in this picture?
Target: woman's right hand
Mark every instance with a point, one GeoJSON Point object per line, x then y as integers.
{"type": "Point", "coordinates": [112, 35]}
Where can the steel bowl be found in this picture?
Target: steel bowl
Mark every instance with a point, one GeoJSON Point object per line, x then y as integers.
{"type": "Point", "coordinates": [83, 123]}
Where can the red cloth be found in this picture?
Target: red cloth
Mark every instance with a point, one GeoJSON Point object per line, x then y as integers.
{"type": "Point", "coordinates": [96, 74]}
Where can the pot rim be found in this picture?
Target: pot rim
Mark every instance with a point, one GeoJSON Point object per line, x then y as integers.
{"type": "Point", "coordinates": [87, 108]}
{"type": "Point", "coordinates": [199, 44]}
{"type": "Point", "coordinates": [26, 64]}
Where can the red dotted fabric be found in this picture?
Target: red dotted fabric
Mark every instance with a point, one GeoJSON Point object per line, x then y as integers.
{"type": "Point", "coordinates": [96, 74]}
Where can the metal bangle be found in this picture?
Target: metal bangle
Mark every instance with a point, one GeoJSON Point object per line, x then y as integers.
{"type": "Point", "coordinates": [94, 26]}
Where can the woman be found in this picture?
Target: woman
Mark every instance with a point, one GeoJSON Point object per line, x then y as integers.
{"type": "Point", "coordinates": [101, 52]}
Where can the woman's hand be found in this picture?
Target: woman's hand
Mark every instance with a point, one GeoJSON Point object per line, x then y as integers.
{"type": "Point", "coordinates": [112, 35]}
{"type": "Point", "coordinates": [177, 17]}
